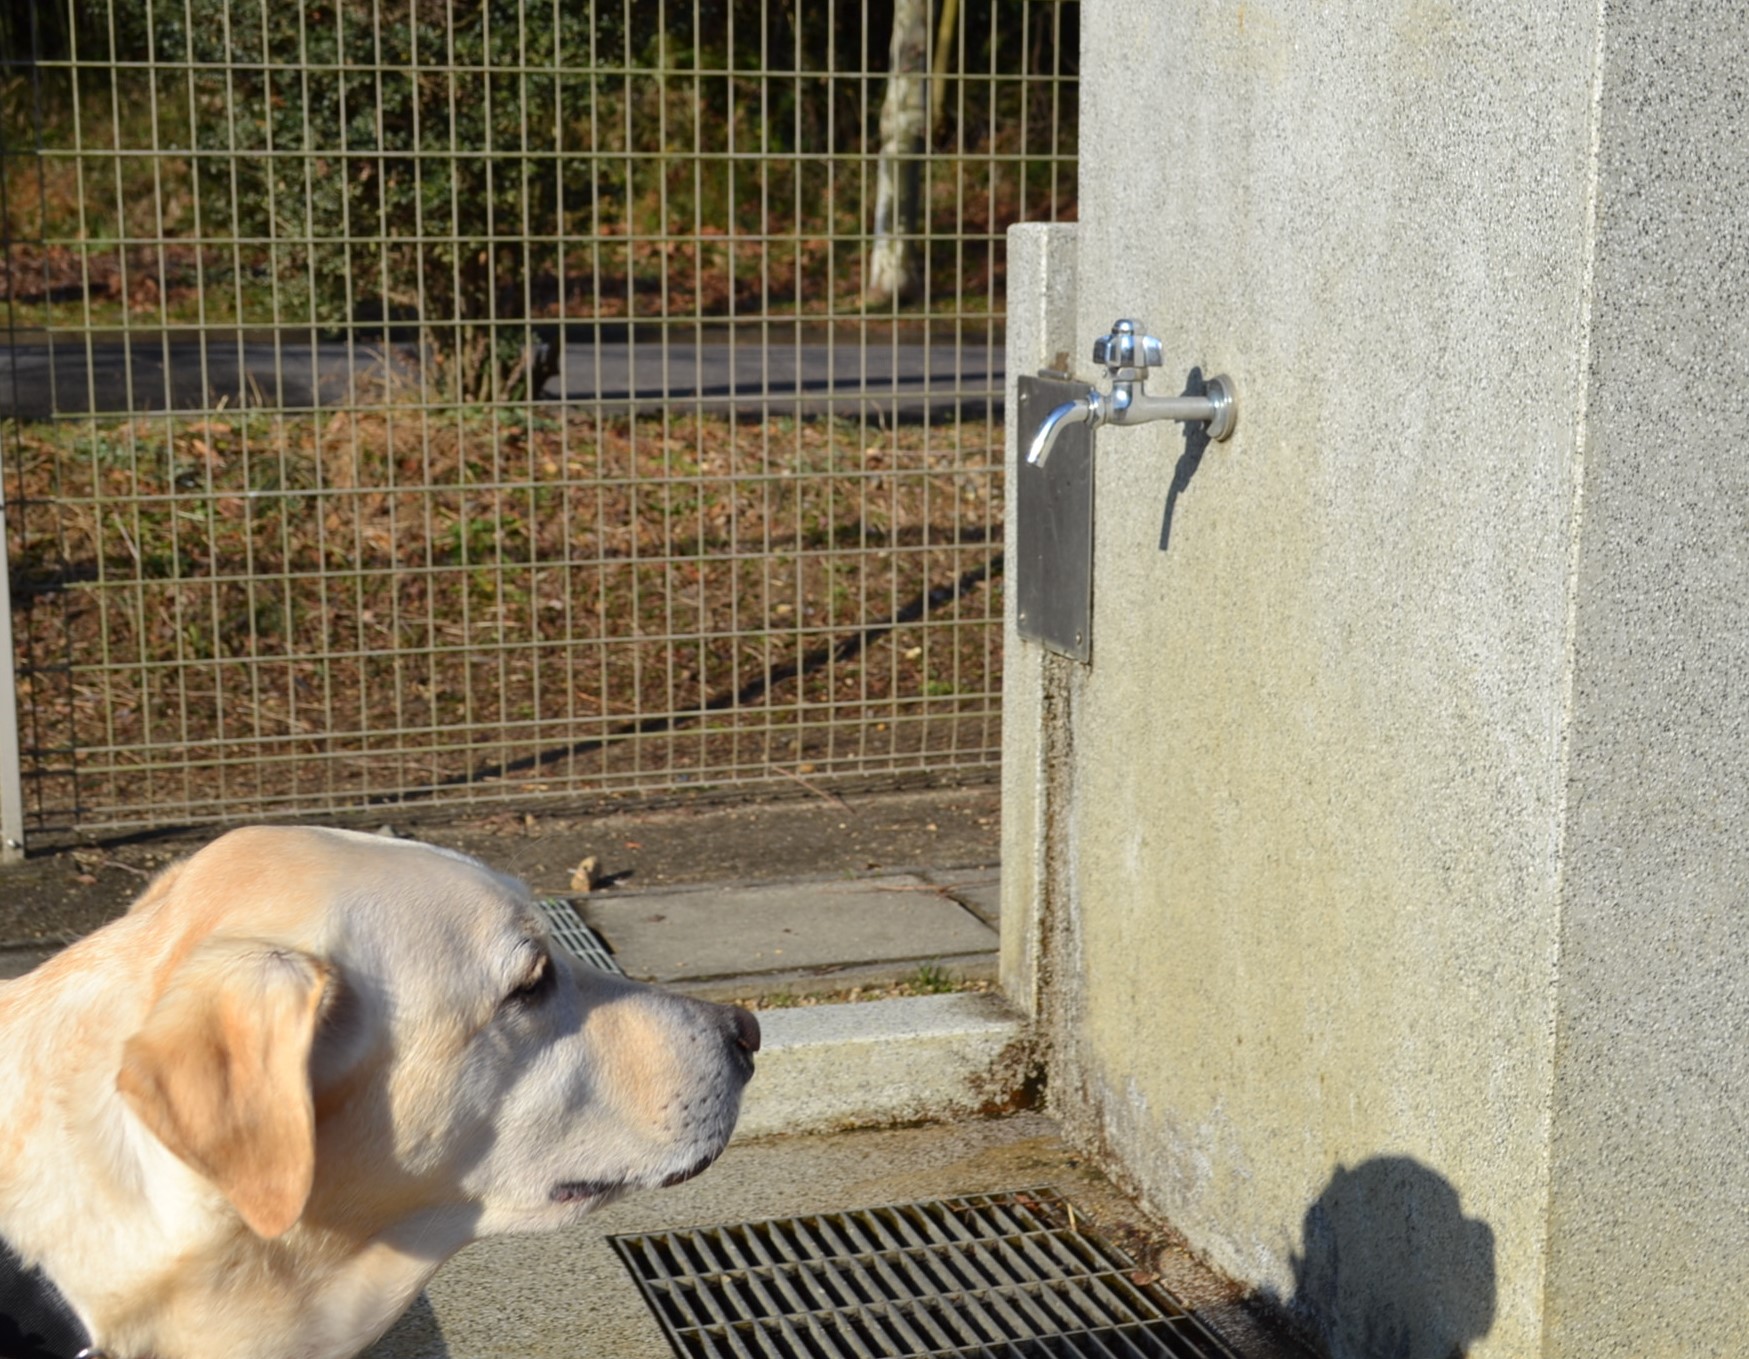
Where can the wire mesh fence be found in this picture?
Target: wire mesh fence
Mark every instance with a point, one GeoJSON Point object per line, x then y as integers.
{"type": "Point", "coordinates": [451, 400]}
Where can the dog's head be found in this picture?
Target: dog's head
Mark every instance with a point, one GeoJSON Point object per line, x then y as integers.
{"type": "Point", "coordinates": [350, 1032]}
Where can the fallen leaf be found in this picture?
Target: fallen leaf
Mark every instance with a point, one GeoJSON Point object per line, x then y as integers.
{"type": "Point", "coordinates": [587, 875]}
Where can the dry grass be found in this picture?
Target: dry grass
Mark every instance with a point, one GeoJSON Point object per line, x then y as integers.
{"type": "Point", "coordinates": [254, 612]}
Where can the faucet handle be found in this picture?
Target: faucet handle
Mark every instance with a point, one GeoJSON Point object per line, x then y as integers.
{"type": "Point", "coordinates": [1128, 347]}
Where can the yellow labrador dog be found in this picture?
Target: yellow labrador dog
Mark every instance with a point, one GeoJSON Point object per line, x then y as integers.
{"type": "Point", "coordinates": [255, 1114]}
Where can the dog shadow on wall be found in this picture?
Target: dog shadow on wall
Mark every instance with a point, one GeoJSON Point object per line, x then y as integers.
{"type": "Point", "coordinates": [1390, 1268]}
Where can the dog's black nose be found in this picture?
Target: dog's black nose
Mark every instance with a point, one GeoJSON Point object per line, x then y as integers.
{"type": "Point", "coordinates": [746, 1029]}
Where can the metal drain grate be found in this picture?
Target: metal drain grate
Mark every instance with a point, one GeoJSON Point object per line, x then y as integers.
{"type": "Point", "coordinates": [1003, 1275]}
{"type": "Point", "coordinates": [568, 928]}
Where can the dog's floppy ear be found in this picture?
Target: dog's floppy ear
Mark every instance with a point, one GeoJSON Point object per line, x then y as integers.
{"type": "Point", "coordinates": [220, 1073]}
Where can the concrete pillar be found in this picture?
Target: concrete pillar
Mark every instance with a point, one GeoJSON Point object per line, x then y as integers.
{"type": "Point", "coordinates": [1649, 1165]}
{"type": "Point", "coordinates": [1041, 325]}
{"type": "Point", "coordinates": [1389, 861]}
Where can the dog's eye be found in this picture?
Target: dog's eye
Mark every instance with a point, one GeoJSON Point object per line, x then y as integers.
{"type": "Point", "coordinates": [540, 982]}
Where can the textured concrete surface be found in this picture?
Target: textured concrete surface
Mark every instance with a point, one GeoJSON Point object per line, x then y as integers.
{"type": "Point", "coordinates": [1393, 837]}
{"type": "Point", "coordinates": [882, 1062]}
{"type": "Point", "coordinates": [979, 890]}
{"type": "Point", "coordinates": [568, 1295]}
{"type": "Point", "coordinates": [1649, 1206]}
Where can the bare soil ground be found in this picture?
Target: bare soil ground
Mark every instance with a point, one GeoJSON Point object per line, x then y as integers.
{"type": "Point", "coordinates": [60, 894]}
{"type": "Point", "coordinates": [252, 614]}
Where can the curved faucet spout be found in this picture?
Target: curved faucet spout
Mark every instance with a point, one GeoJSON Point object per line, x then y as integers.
{"type": "Point", "coordinates": [1083, 410]}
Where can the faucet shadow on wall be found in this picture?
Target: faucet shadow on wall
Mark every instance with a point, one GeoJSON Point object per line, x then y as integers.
{"type": "Point", "coordinates": [1196, 442]}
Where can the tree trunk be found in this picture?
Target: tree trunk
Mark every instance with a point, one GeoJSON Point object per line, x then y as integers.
{"type": "Point", "coordinates": [893, 266]}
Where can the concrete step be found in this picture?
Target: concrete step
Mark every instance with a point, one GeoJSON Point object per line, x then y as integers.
{"type": "Point", "coordinates": [834, 1066]}
{"type": "Point", "coordinates": [885, 1062]}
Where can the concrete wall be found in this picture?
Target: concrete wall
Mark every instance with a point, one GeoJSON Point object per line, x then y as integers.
{"type": "Point", "coordinates": [1649, 1215]}
{"type": "Point", "coordinates": [1383, 887]}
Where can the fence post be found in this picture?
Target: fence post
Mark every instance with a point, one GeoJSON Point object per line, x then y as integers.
{"type": "Point", "coordinates": [11, 770]}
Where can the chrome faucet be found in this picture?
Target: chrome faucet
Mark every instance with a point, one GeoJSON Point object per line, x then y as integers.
{"type": "Point", "coordinates": [1127, 354]}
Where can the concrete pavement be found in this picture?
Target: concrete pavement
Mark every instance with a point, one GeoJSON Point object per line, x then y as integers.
{"type": "Point", "coordinates": [568, 1295]}
{"type": "Point", "coordinates": [797, 937]}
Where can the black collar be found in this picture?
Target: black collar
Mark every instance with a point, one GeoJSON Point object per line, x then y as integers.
{"type": "Point", "coordinates": [36, 1322]}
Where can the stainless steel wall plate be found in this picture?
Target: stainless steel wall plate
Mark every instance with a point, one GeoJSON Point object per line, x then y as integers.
{"type": "Point", "coordinates": [1053, 575]}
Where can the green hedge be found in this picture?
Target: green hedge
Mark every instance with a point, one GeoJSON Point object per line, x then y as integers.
{"type": "Point", "coordinates": [393, 158]}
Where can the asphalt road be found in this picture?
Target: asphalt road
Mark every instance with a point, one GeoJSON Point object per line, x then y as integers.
{"type": "Point", "coordinates": [882, 379]}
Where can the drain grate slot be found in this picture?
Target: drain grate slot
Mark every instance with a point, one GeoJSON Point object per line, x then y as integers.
{"type": "Point", "coordinates": [568, 928]}
{"type": "Point", "coordinates": [1013, 1275]}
